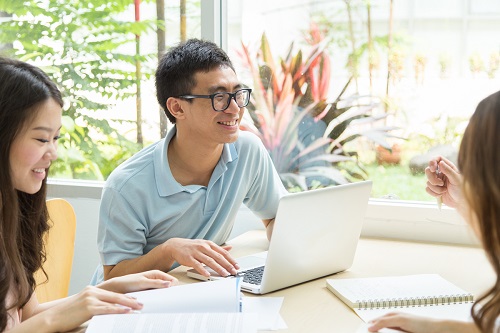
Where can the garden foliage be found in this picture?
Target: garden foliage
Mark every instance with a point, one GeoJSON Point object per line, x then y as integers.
{"type": "Point", "coordinates": [88, 49]}
{"type": "Point", "coordinates": [302, 127]}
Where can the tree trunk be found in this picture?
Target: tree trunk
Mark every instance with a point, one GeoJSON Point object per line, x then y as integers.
{"type": "Point", "coordinates": [138, 77]}
{"type": "Point", "coordinates": [389, 49]}
{"type": "Point", "coordinates": [354, 63]}
{"type": "Point", "coordinates": [161, 37]}
{"type": "Point", "coordinates": [8, 46]}
{"type": "Point", "coordinates": [370, 45]}
{"type": "Point", "coordinates": [183, 19]}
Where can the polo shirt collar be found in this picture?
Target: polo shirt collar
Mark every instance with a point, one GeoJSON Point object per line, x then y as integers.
{"type": "Point", "coordinates": [165, 182]}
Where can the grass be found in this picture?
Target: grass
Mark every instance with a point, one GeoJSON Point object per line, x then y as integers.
{"type": "Point", "coordinates": [397, 182]}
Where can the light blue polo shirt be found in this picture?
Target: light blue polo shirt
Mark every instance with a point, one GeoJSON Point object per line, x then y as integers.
{"type": "Point", "coordinates": [142, 204]}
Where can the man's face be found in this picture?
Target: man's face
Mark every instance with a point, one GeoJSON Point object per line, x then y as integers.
{"type": "Point", "coordinates": [201, 121]}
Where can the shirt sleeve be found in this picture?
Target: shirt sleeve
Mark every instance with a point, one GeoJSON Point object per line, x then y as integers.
{"type": "Point", "coordinates": [122, 233]}
{"type": "Point", "coordinates": [266, 188]}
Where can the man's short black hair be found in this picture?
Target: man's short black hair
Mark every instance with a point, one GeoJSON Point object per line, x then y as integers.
{"type": "Point", "coordinates": [177, 68]}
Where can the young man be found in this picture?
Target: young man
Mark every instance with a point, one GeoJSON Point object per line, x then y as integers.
{"type": "Point", "coordinates": [175, 201]}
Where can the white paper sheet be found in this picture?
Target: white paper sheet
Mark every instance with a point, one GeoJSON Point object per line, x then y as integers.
{"type": "Point", "coordinates": [212, 296]}
{"type": "Point", "coordinates": [267, 310]}
{"type": "Point", "coordinates": [214, 306]}
{"type": "Point", "coordinates": [174, 323]}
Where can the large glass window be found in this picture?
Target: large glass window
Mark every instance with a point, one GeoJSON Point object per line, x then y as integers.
{"type": "Point", "coordinates": [419, 67]}
{"type": "Point", "coordinates": [334, 82]}
{"type": "Point", "coordinates": [102, 54]}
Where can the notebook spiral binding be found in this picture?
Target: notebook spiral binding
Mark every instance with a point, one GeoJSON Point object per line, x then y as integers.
{"type": "Point", "coordinates": [414, 302]}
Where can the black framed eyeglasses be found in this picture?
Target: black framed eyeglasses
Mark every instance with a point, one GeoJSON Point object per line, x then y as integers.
{"type": "Point", "coordinates": [221, 100]}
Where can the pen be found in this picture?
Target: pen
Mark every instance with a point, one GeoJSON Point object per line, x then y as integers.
{"type": "Point", "coordinates": [439, 199]}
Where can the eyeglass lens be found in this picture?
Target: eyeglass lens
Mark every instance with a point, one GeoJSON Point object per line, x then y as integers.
{"type": "Point", "coordinates": [222, 100]}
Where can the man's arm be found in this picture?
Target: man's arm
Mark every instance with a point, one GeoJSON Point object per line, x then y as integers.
{"type": "Point", "coordinates": [123, 234]}
{"type": "Point", "coordinates": [269, 224]}
{"type": "Point", "coordinates": [188, 252]}
{"type": "Point", "coordinates": [154, 259]}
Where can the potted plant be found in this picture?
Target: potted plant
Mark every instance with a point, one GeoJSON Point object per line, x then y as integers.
{"type": "Point", "coordinates": [305, 132]}
{"type": "Point", "coordinates": [390, 155]}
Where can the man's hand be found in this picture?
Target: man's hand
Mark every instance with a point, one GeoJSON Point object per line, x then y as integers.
{"type": "Point", "coordinates": [199, 252]}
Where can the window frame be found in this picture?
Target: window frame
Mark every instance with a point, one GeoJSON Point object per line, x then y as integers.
{"type": "Point", "coordinates": [399, 220]}
{"type": "Point", "coordinates": [403, 220]}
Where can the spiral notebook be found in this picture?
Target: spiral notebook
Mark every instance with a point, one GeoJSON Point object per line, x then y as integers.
{"type": "Point", "coordinates": [422, 294]}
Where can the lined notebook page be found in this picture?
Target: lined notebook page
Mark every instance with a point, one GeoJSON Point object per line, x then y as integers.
{"type": "Point", "coordinates": [363, 290]}
{"type": "Point", "coordinates": [373, 297]}
{"type": "Point", "coordinates": [458, 311]}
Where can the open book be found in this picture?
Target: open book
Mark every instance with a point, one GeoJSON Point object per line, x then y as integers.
{"type": "Point", "coordinates": [423, 294]}
{"type": "Point", "coordinates": [208, 307]}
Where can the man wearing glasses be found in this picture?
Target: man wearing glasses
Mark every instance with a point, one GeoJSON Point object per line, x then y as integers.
{"type": "Point", "coordinates": [175, 201]}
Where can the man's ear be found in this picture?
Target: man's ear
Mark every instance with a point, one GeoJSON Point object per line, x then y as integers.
{"type": "Point", "coordinates": [174, 106]}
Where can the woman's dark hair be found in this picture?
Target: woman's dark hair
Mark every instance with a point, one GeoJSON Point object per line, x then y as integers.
{"type": "Point", "coordinates": [479, 163]}
{"type": "Point", "coordinates": [23, 216]}
{"type": "Point", "coordinates": [177, 69]}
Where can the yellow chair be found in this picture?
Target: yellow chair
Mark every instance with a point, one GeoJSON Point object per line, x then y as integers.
{"type": "Point", "coordinates": [59, 247]}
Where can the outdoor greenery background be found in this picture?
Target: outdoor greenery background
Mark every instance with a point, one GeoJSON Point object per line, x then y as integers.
{"type": "Point", "coordinates": [90, 50]}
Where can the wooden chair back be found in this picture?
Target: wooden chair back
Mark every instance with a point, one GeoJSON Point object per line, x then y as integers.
{"type": "Point", "coordinates": [59, 247]}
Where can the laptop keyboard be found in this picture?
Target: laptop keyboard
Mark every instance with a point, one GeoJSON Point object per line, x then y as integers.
{"type": "Point", "coordinates": [253, 276]}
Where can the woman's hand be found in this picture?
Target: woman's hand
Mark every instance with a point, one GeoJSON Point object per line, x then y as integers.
{"type": "Point", "coordinates": [417, 324]}
{"type": "Point", "coordinates": [403, 322]}
{"type": "Point", "coordinates": [154, 279]}
{"type": "Point", "coordinates": [107, 298]}
{"type": "Point", "coordinates": [77, 309]}
{"type": "Point", "coordinates": [447, 184]}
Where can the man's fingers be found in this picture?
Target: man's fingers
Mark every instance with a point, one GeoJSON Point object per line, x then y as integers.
{"type": "Point", "coordinates": [221, 258]}
{"type": "Point", "coordinates": [201, 253]}
{"type": "Point", "coordinates": [225, 259]}
{"type": "Point", "coordinates": [203, 260]}
{"type": "Point", "coordinates": [200, 268]}
{"type": "Point", "coordinates": [217, 266]}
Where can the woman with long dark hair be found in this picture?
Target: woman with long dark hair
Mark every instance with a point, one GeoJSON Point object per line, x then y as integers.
{"type": "Point", "coordinates": [474, 189]}
{"type": "Point", "coordinates": [30, 122]}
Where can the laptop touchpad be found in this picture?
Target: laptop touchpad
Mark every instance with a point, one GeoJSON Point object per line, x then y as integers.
{"type": "Point", "coordinates": [252, 261]}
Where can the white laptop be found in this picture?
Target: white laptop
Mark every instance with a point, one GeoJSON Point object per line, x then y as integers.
{"type": "Point", "coordinates": [315, 234]}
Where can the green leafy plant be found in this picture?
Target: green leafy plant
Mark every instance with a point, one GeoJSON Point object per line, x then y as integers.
{"type": "Point", "coordinates": [88, 51]}
{"type": "Point", "coordinates": [476, 63]}
{"type": "Point", "coordinates": [494, 64]}
{"type": "Point", "coordinates": [304, 132]}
